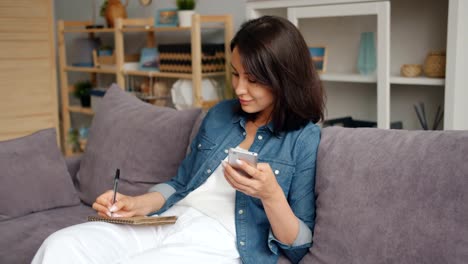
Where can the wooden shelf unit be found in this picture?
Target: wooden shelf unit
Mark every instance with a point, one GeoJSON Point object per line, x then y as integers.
{"type": "Point", "coordinates": [143, 25]}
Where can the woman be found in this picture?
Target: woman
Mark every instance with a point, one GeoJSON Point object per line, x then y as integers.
{"type": "Point", "coordinates": [225, 216]}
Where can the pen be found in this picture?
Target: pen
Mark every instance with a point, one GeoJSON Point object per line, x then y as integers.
{"type": "Point", "coordinates": [116, 183]}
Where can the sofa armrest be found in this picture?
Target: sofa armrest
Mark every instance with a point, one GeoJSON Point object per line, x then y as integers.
{"type": "Point", "coordinates": [73, 165]}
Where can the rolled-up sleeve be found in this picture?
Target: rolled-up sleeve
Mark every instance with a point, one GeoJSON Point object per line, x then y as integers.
{"type": "Point", "coordinates": [164, 189]}
{"type": "Point", "coordinates": [303, 239]}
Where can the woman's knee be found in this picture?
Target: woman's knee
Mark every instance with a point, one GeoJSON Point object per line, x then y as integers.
{"type": "Point", "coordinates": [59, 238]}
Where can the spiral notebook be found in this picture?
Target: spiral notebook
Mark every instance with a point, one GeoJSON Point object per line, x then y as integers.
{"type": "Point", "coordinates": [136, 220]}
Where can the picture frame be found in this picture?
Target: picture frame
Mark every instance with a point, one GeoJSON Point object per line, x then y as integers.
{"type": "Point", "coordinates": [318, 55]}
{"type": "Point", "coordinates": [149, 59]}
{"type": "Point", "coordinates": [166, 17]}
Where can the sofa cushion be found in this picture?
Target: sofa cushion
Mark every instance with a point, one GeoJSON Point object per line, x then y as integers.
{"type": "Point", "coordinates": [389, 196]}
{"type": "Point", "coordinates": [147, 143]}
{"type": "Point", "coordinates": [22, 236]}
{"type": "Point", "coordinates": [34, 175]}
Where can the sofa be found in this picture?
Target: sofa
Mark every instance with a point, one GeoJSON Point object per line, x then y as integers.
{"type": "Point", "coordinates": [382, 196]}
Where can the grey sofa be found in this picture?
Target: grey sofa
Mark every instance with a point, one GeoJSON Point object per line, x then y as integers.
{"type": "Point", "coordinates": [383, 196]}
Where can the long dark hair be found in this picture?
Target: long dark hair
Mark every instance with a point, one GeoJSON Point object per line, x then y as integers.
{"type": "Point", "coordinates": [274, 52]}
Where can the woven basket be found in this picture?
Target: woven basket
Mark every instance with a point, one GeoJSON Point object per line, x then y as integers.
{"type": "Point", "coordinates": [411, 70]}
{"type": "Point", "coordinates": [434, 66]}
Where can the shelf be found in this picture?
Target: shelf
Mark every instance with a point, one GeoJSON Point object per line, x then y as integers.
{"type": "Point", "coordinates": [90, 69]}
{"type": "Point", "coordinates": [171, 74]}
{"type": "Point", "coordinates": [357, 78]}
{"type": "Point", "coordinates": [79, 109]}
{"type": "Point", "coordinates": [91, 30]}
{"type": "Point", "coordinates": [417, 81]}
{"type": "Point", "coordinates": [155, 29]}
{"type": "Point", "coordinates": [348, 77]}
{"type": "Point", "coordinates": [165, 29]}
{"type": "Point", "coordinates": [149, 97]}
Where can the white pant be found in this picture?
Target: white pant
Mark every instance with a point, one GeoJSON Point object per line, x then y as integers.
{"type": "Point", "coordinates": [194, 238]}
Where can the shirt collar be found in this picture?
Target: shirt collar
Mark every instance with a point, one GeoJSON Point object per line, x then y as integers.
{"type": "Point", "coordinates": [237, 118]}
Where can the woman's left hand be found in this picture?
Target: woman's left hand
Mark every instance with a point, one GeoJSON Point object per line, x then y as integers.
{"type": "Point", "coordinates": [262, 183]}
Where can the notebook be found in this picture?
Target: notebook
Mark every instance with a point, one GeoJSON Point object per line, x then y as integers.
{"type": "Point", "coordinates": [136, 220]}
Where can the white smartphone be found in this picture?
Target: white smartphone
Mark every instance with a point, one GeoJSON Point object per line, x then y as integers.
{"type": "Point", "coordinates": [247, 156]}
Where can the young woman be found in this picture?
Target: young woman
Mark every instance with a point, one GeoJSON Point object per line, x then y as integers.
{"type": "Point", "coordinates": [225, 216]}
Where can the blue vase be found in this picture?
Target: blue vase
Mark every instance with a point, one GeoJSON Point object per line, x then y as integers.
{"type": "Point", "coordinates": [367, 61]}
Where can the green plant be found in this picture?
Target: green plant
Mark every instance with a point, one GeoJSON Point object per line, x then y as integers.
{"type": "Point", "coordinates": [186, 4]}
{"type": "Point", "coordinates": [82, 88]}
{"type": "Point", "coordinates": [102, 12]}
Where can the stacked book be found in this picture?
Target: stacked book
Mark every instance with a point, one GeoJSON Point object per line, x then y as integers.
{"type": "Point", "coordinates": [178, 58]}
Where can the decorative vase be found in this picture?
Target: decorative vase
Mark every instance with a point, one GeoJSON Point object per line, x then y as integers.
{"type": "Point", "coordinates": [411, 70]}
{"type": "Point", "coordinates": [115, 10]}
{"type": "Point", "coordinates": [434, 65]}
{"type": "Point", "coordinates": [185, 17]}
{"type": "Point", "coordinates": [367, 62]}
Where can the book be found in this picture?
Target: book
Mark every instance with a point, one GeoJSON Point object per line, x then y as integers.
{"type": "Point", "coordinates": [149, 59]}
{"type": "Point", "coordinates": [135, 220]}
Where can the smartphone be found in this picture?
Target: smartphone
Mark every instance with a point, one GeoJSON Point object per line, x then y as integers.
{"type": "Point", "coordinates": [244, 155]}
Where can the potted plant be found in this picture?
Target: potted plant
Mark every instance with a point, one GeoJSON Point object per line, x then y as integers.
{"type": "Point", "coordinates": [186, 10]}
{"type": "Point", "coordinates": [82, 91]}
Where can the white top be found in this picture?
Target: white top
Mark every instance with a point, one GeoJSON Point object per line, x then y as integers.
{"type": "Point", "coordinates": [215, 198]}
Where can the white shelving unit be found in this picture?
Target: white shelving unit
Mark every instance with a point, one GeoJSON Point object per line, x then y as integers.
{"type": "Point", "coordinates": [405, 31]}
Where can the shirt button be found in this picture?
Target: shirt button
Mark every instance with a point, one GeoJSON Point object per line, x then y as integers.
{"type": "Point", "coordinates": [276, 172]}
{"type": "Point", "coordinates": [199, 145]}
{"type": "Point", "coordinates": [243, 133]}
{"type": "Point", "coordinates": [242, 243]}
{"type": "Point", "coordinates": [241, 211]}
{"type": "Point", "coordinates": [260, 137]}
{"type": "Point", "coordinates": [226, 151]}
{"type": "Point", "coordinates": [208, 171]}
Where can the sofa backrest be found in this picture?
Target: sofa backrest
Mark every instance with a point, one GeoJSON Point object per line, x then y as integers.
{"type": "Point", "coordinates": [391, 196]}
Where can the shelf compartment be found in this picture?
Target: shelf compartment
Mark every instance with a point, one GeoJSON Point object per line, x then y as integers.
{"type": "Point", "coordinates": [90, 69]}
{"type": "Point", "coordinates": [171, 74]}
{"type": "Point", "coordinates": [417, 81]}
{"type": "Point", "coordinates": [82, 110]}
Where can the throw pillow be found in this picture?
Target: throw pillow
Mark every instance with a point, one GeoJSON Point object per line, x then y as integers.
{"type": "Point", "coordinates": [391, 196]}
{"type": "Point", "coordinates": [34, 176]}
{"type": "Point", "coordinates": [147, 143]}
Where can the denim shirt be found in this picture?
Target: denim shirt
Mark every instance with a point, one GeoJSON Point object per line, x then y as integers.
{"type": "Point", "coordinates": [292, 157]}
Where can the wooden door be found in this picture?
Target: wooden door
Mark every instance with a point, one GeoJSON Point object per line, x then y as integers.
{"type": "Point", "coordinates": [28, 89]}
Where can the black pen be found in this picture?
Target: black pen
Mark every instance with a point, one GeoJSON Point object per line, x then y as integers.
{"type": "Point", "coordinates": [116, 183]}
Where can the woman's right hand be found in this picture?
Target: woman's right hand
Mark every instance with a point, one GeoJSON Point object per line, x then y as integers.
{"type": "Point", "coordinates": [124, 206]}
{"type": "Point", "coordinates": [127, 206]}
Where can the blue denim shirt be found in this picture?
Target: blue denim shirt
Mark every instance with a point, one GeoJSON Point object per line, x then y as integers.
{"type": "Point", "coordinates": [292, 157]}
